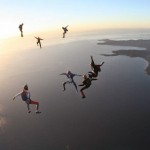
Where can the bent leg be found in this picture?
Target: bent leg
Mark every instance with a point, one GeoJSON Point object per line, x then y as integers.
{"type": "Point", "coordinates": [64, 85]}
{"type": "Point", "coordinates": [81, 91]}
{"type": "Point", "coordinates": [35, 103]}
{"type": "Point", "coordinates": [92, 74]}
{"type": "Point", "coordinates": [93, 65]}
{"type": "Point", "coordinates": [75, 85]}
{"type": "Point", "coordinates": [83, 95]}
{"type": "Point", "coordinates": [28, 107]}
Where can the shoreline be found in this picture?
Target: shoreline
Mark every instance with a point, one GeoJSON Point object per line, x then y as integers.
{"type": "Point", "coordinates": [145, 54]}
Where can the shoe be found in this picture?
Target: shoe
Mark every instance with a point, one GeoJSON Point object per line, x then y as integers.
{"type": "Point", "coordinates": [38, 112]}
{"type": "Point", "coordinates": [83, 96]}
{"type": "Point", "coordinates": [29, 111]}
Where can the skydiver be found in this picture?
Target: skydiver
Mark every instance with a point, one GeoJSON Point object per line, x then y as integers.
{"type": "Point", "coordinates": [65, 31]}
{"type": "Point", "coordinates": [95, 68]}
{"type": "Point", "coordinates": [20, 28]}
{"type": "Point", "coordinates": [39, 41]}
{"type": "Point", "coordinates": [70, 80]}
{"type": "Point", "coordinates": [86, 83]}
{"type": "Point", "coordinates": [25, 95]}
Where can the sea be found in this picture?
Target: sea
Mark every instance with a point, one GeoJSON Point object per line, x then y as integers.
{"type": "Point", "coordinates": [113, 116]}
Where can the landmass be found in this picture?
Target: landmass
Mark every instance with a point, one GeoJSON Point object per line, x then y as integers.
{"type": "Point", "coordinates": [145, 54]}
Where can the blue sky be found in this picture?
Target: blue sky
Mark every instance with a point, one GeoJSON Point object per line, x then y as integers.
{"type": "Point", "coordinates": [84, 14]}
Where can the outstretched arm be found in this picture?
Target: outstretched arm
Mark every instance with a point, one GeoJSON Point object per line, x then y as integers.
{"type": "Point", "coordinates": [102, 63]}
{"type": "Point", "coordinates": [78, 75]}
{"type": "Point", "coordinates": [36, 37]}
{"type": "Point", "coordinates": [63, 74]}
{"type": "Point", "coordinates": [81, 85]}
{"type": "Point", "coordinates": [93, 79]}
{"type": "Point", "coordinates": [75, 85]}
{"type": "Point", "coordinates": [17, 95]}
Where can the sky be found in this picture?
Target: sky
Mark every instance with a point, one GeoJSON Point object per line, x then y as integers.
{"type": "Point", "coordinates": [42, 15]}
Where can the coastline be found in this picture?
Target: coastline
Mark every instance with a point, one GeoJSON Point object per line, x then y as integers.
{"type": "Point", "coordinates": [145, 54]}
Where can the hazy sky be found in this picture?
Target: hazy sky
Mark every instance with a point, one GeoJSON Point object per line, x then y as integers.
{"type": "Point", "coordinates": [40, 15]}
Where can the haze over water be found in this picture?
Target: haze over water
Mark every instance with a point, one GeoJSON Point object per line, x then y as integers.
{"type": "Point", "coordinates": [114, 116]}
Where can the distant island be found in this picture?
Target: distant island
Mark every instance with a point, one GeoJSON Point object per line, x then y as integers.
{"type": "Point", "coordinates": [145, 54]}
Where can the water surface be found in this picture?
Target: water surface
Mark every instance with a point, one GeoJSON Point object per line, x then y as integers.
{"type": "Point", "coordinates": [114, 116]}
